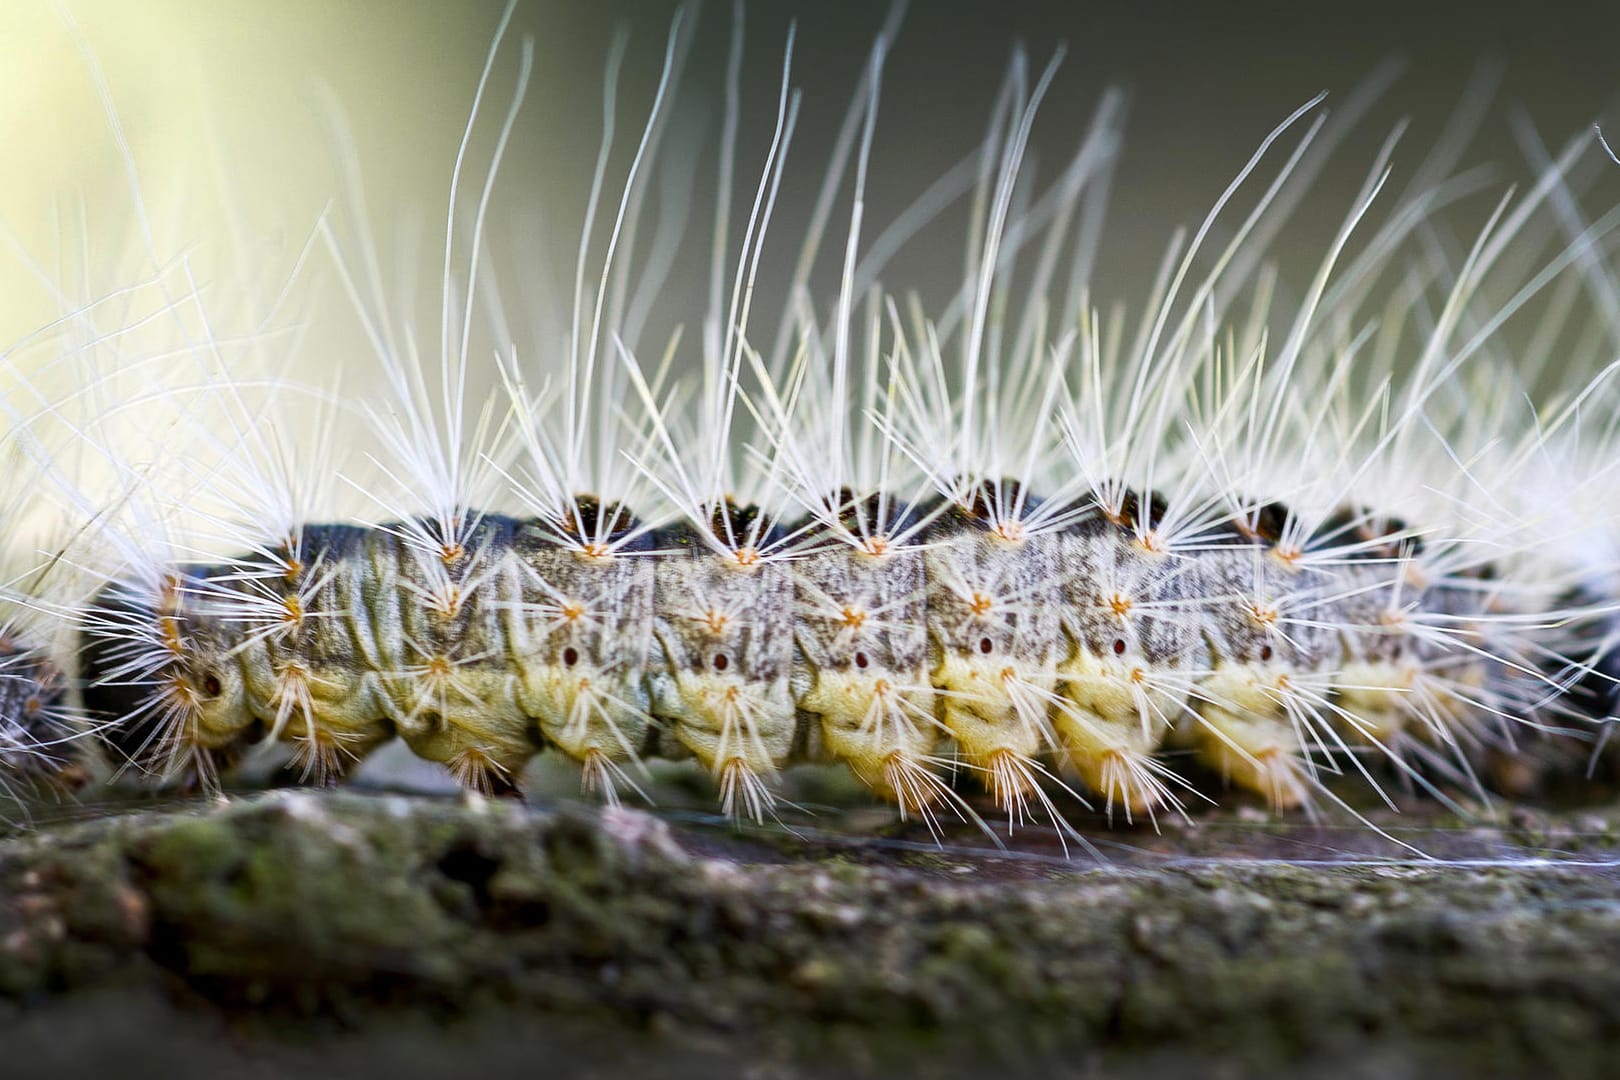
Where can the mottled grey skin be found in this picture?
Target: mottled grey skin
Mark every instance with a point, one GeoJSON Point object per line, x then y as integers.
{"type": "Point", "coordinates": [620, 587]}
{"type": "Point", "coordinates": [1103, 563]}
{"type": "Point", "coordinates": [409, 629]}
{"type": "Point", "coordinates": [1455, 603]}
{"type": "Point", "coordinates": [889, 590]}
{"type": "Point", "coordinates": [1250, 601]}
{"type": "Point", "coordinates": [1023, 579]}
{"type": "Point", "coordinates": [1369, 616]}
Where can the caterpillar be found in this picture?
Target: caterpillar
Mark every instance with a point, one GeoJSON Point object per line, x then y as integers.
{"type": "Point", "coordinates": [41, 737]}
{"type": "Point", "coordinates": [1009, 536]}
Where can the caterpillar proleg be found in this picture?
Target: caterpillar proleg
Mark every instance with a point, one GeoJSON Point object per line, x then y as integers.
{"type": "Point", "coordinates": [1287, 538]}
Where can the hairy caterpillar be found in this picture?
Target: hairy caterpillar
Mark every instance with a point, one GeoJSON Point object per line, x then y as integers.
{"type": "Point", "coordinates": [41, 738]}
{"type": "Point", "coordinates": [1004, 536]}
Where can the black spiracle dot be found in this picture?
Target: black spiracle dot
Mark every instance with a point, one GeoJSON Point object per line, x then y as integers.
{"type": "Point", "coordinates": [211, 685]}
{"type": "Point", "coordinates": [570, 656]}
{"type": "Point", "coordinates": [1119, 646]}
{"type": "Point", "coordinates": [721, 661]}
{"type": "Point", "coordinates": [1265, 652]}
{"type": "Point", "coordinates": [860, 660]}
{"type": "Point", "coordinates": [986, 646]}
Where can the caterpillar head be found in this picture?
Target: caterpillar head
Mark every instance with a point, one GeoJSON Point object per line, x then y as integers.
{"type": "Point", "coordinates": [207, 684]}
{"type": "Point", "coordinates": [161, 683]}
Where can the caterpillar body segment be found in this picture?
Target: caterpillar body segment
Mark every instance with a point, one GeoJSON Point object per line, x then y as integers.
{"type": "Point", "coordinates": [1128, 677]}
{"type": "Point", "coordinates": [581, 636]}
{"type": "Point", "coordinates": [864, 651]}
{"type": "Point", "coordinates": [1260, 652]}
{"type": "Point", "coordinates": [1382, 660]}
{"type": "Point", "coordinates": [994, 597]}
{"type": "Point", "coordinates": [723, 619]}
{"type": "Point", "coordinates": [321, 677]}
{"type": "Point", "coordinates": [448, 682]}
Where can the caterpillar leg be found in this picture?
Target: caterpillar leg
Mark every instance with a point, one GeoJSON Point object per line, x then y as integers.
{"type": "Point", "coordinates": [882, 731]}
{"type": "Point", "coordinates": [1116, 756]}
{"type": "Point", "coordinates": [483, 745]}
{"type": "Point", "coordinates": [1243, 733]}
{"type": "Point", "coordinates": [1111, 729]}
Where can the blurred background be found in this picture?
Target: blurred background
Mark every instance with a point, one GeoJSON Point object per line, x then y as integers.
{"type": "Point", "coordinates": [229, 109]}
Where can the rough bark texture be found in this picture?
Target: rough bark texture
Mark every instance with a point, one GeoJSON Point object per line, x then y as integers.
{"type": "Point", "coordinates": [348, 933]}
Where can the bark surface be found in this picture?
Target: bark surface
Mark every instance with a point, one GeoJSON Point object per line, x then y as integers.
{"type": "Point", "coordinates": [347, 932]}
